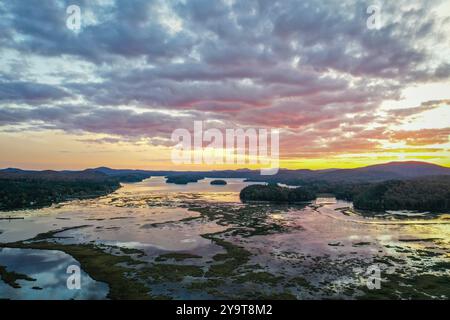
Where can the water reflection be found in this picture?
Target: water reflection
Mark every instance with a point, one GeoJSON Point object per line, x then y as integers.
{"type": "Point", "coordinates": [322, 241]}
{"type": "Point", "coordinates": [48, 268]}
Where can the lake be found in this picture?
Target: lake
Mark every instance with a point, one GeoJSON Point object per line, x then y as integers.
{"type": "Point", "coordinates": [198, 241]}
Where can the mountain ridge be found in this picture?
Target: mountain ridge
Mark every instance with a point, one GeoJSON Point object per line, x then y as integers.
{"type": "Point", "coordinates": [378, 172]}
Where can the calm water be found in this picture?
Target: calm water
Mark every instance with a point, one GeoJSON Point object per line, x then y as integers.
{"type": "Point", "coordinates": [322, 243]}
{"type": "Point", "coordinates": [48, 268]}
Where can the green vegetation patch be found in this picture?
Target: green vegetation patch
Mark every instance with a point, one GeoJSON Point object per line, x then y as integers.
{"type": "Point", "coordinates": [277, 296]}
{"type": "Point", "coordinates": [361, 244]}
{"type": "Point", "coordinates": [259, 277]}
{"type": "Point", "coordinates": [206, 285]}
{"type": "Point", "coordinates": [251, 219]}
{"type": "Point", "coordinates": [170, 272]}
{"type": "Point", "coordinates": [425, 286]}
{"type": "Point", "coordinates": [138, 252]}
{"type": "Point", "coordinates": [234, 257]}
{"type": "Point", "coordinates": [441, 266]}
{"type": "Point", "coordinates": [52, 234]}
{"type": "Point", "coordinates": [177, 256]}
{"type": "Point", "coordinates": [11, 277]}
{"type": "Point", "coordinates": [301, 282]}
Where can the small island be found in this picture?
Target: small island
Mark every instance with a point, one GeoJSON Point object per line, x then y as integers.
{"type": "Point", "coordinates": [183, 179]}
{"type": "Point", "coordinates": [218, 183]}
{"type": "Point", "coordinates": [275, 193]}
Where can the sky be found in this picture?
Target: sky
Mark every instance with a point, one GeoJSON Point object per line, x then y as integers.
{"type": "Point", "coordinates": [342, 94]}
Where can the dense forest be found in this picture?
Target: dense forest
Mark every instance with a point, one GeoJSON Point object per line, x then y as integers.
{"type": "Point", "coordinates": [431, 194]}
{"type": "Point", "coordinates": [36, 189]}
{"type": "Point", "coordinates": [425, 194]}
{"type": "Point", "coordinates": [275, 193]}
{"type": "Point", "coordinates": [36, 193]}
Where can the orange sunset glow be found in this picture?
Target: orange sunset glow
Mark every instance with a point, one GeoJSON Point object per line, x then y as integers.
{"type": "Point", "coordinates": [225, 156]}
{"type": "Point", "coordinates": [342, 95]}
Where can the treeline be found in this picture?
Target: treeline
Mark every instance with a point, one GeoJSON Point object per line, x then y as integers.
{"type": "Point", "coordinates": [432, 194]}
{"type": "Point", "coordinates": [21, 189]}
{"type": "Point", "coordinates": [275, 193]}
{"type": "Point", "coordinates": [425, 194]}
{"type": "Point", "coordinates": [130, 177]}
{"type": "Point", "coordinates": [18, 194]}
{"type": "Point", "coordinates": [36, 189]}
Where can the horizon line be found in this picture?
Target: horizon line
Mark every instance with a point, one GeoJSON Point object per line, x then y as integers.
{"type": "Point", "coordinates": [239, 169]}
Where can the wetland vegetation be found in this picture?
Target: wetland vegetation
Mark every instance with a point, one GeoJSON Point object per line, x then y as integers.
{"type": "Point", "coordinates": [153, 240]}
{"type": "Point", "coordinates": [11, 277]}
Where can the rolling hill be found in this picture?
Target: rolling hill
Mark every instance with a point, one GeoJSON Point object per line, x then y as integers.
{"type": "Point", "coordinates": [374, 173]}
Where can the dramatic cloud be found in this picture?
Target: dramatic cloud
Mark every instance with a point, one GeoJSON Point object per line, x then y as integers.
{"type": "Point", "coordinates": [143, 68]}
{"type": "Point", "coordinates": [423, 137]}
{"type": "Point", "coordinates": [17, 91]}
{"type": "Point", "coordinates": [425, 106]}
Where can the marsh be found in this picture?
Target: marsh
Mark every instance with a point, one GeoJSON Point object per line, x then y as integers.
{"type": "Point", "coordinates": [153, 240]}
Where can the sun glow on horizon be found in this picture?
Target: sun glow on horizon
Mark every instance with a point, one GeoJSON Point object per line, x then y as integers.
{"type": "Point", "coordinates": [112, 93]}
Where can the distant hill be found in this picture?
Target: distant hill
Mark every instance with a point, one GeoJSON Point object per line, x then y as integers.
{"type": "Point", "coordinates": [374, 173]}
{"type": "Point", "coordinates": [410, 169]}
{"type": "Point", "coordinates": [51, 175]}
{"type": "Point", "coordinates": [115, 172]}
{"type": "Point", "coordinates": [377, 187]}
{"type": "Point", "coordinates": [386, 171]}
{"type": "Point", "coordinates": [96, 174]}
